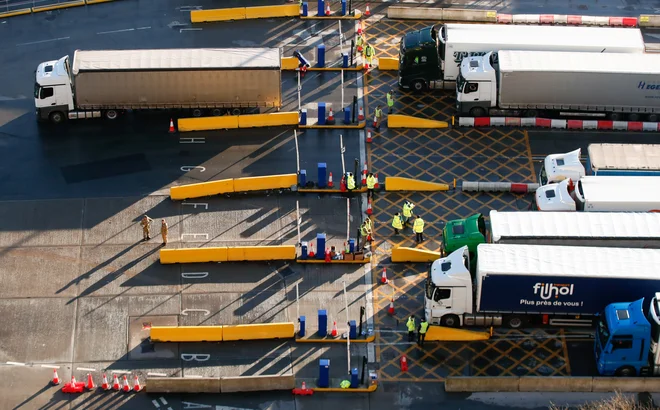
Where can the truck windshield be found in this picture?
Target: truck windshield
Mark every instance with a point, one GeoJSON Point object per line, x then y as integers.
{"type": "Point", "coordinates": [543, 176]}
{"type": "Point", "coordinates": [460, 83]}
{"type": "Point", "coordinates": [440, 40]}
{"type": "Point", "coordinates": [429, 285]}
{"type": "Point", "coordinates": [603, 332]}
{"type": "Point", "coordinates": [37, 87]}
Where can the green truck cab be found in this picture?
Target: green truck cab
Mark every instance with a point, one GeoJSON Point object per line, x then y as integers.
{"type": "Point", "coordinates": [468, 232]}
{"type": "Point", "coordinates": [419, 59]}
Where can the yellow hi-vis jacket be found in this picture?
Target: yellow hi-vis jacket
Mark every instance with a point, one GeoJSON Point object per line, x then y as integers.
{"type": "Point", "coordinates": [390, 100]}
{"type": "Point", "coordinates": [396, 222]}
{"type": "Point", "coordinates": [418, 226]}
{"type": "Point", "coordinates": [369, 51]}
{"type": "Point", "coordinates": [364, 230]}
{"type": "Point", "coordinates": [410, 324]}
{"type": "Point", "coordinates": [371, 182]}
{"type": "Point", "coordinates": [407, 209]}
{"type": "Point", "coordinates": [423, 327]}
{"type": "Point", "coordinates": [350, 182]}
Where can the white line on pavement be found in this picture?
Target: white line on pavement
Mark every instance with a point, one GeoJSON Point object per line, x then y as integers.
{"type": "Point", "coordinates": [42, 41]}
{"type": "Point", "coordinates": [143, 28]}
{"type": "Point", "coordinates": [49, 366]}
{"type": "Point", "coordinates": [116, 31]}
{"type": "Point", "coordinates": [86, 369]}
{"type": "Point", "coordinates": [16, 363]}
{"type": "Point", "coordinates": [155, 403]}
{"type": "Point", "coordinates": [162, 400]}
{"type": "Point", "coordinates": [181, 30]}
{"type": "Point", "coordinates": [157, 374]}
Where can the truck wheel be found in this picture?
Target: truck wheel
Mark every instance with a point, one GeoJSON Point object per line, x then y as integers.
{"type": "Point", "coordinates": [530, 114]}
{"type": "Point", "coordinates": [633, 117]}
{"type": "Point", "coordinates": [196, 113]}
{"type": "Point", "coordinates": [217, 112]}
{"type": "Point", "coordinates": [653, 118]}
{"type": "Point", "coordinates": [514, 322]}
{"type": "Point", "coordinates": [615, 116]}
{"type": "Point", "coordinates": [418, 86]}
{"type": "Point", "coordinates": [625, 371]}
{"type": "Point", "coordinates": [450, 321]}
{"type": "Point", "coordinates": [477, 112]}
{"type": "Point", "coordinates": [111, 114]}
{"type": "Point", "coordinates": [236, 111]}
{"type": "Point", "coordinates": [56, 117]}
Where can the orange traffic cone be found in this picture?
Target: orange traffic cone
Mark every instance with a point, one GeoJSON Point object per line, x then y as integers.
{"type": "Point", "coordinates": [359, 30]}
{"type": "Point", "coordinates": [330, 183]}
{"type": "Point", "coordinates": [331, 116]}
{"type": "Point", "coordinates": [327, 10]}
{"type": "Point", "coordinates": [115, 383]}
{"type": "Point", "coordinates": [172, 130]}
{"type": "Point", "coordinates": [90, 382]}
{"type": "Point", "coordinates": [127, 387]}
{"type": "Point", "coordinates": [383, 278]}
{"type": "Point", "coordinates": [334, 329]}
{"type": "Point", "coordinates": [105, 385]}
{"type": "Point", "coordinates": [364, 174]}
{"type": "Point", "coordinates": [369, 209]}
{"type": "Point", "coordinates": [391, 309]}
{"type": "Point", "coordinates": [136, 387]}
{"type": "Point", "coordinates": [304, 386]}
{"type": "Point", "coordinates": [361, 114]}
{"type": "Point", "coordinates": [404, 364]}
{"type": "Point", "coordinates": [377, 184]}
{"type": "Point", "coordinates": [369, 136]}
{"type": "Point", "coordinates": [367, 12]}
{"type": "Point", "coordinates": [311, 253]}
{"type": "Point", "coordinates": [56, 379]}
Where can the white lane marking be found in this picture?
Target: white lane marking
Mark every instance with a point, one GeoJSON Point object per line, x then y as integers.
{"type": "Point", "coordinates": [184, 312]}
{"type": "Point", "coordinates": [86, 369]}
{"type": "Point", "coordinates": [188, 168]}
{"type": "Point", "coordinates": [16, 363]}
{"type": "Point", "coordinates": [143, 28]}
{"type": "Point", "coordinates": [42, 41]}
{"type": "Point", "coordinates": [189, 8]}
{"type": "Point", "coordinates": [157, 374]}
{"type": "Point", "coordinates": [155, 403]}
{"type": "Point", "coordinates": [120, 371]}
{"type": "Point", "coordinates": [195, 235]}
{"type": "Point", "coordinates": [162, 400]}
{"type": "Point", "coordinates": [193, 376]}
{"type": "Point", "coordinates": [187, 357]}
{"type": "Point", "coordinates": [48, 366]}
{"type": "Point", "coordinates": [181, 30]}
{"type": "Point", "coordinates": [194, 204]}
{"type": "Point", "coordinates": [116, 31]}
{"type": "Point", "coordinates": [192, 140]}
{"type": "Point", "coordinates": [194, 275]}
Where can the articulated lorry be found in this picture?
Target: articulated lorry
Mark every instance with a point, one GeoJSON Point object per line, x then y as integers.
{"type": "Point", "coordinates": [604, 160]}
{"type": "Point", "coordinates": [600, 229]}
{"type": "Point", "coordinates": [519, 285]}
{"type": "Point", "coordinates": [627, 341]}
{"type": "Point", "coordinates": [430, 58]}
{"type": "Point", "coordinates": [600, 194]}
{"type": "Point", "coordinates": [560, 84]}
{"type": "Point", "coordinates": [105, 83]}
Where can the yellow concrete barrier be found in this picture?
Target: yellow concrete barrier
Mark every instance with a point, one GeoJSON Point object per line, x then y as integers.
{"type": "Point", "coordinates": [268, 120]}
{"type": "Point", "coordinates": [286, 10]}
{"type": "Point", "coordinates": [186, 334]}
{"type": "Point", "coordinates": [193, 255]}
{"type": "Point", "coordinates": [259, 332]}
{"type": "Point", "coordinates": [290, 63]}
{"type": "Point", "coordinates": [406, 121]}
{"type": "Point", "coordinates": [205, 16]}
{"type": "Point", "coordinates": [57, 6]}
{"type": "Point", "coordinates": [402, 254]}
{"type": "Point", "coordinates": [257, 383]}
{"type": "Point", "coordinates": [284, 181]}
{"type": "Point", "coordinates": [203, 189]}
{"type": "Point", "coordinates": [409, 184]}
{"type": "Point", "coordinates": [261, 253]}
{"type": "Point", "coordinates": [98, 1]}
{"type": "Point", "coordinates": [462, 384]}
{"type": "Point", "coordinates": [372, 388]}
{"type": "Point", "coordinates": [450, 334]}
{"type": "Point", "coordinates": [207, 123]}
{"type": "Point", "coordinates": [19, 12]}
{"type": "Point", "coordinates": [388, 63]}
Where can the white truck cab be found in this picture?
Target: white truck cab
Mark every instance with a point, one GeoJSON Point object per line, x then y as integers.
{"type": "Point", "coordinates": [558, 167]}
{"type": "Point", "coordinates": [556, 197]}
{"type": "Point", "coordinates": [476, 89]}
{"type": "Point", "coordinates": [53, 91]}
{"type": "Point", "coordinates": [449, 289]}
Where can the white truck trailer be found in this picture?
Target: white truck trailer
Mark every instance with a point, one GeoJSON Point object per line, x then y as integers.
{"type": "Point", "coordinates": [518, 285]}
{"type": "Point", "coordinates": [559, 84]}
{"type": "Point", "coordinates": [600, 194]}
{"type": "Point", "coordinates": [430, 58]}
{"type": "Point", "coordinates": [104, 83]}
{"type": "Point", "coordinates": [603, 160]}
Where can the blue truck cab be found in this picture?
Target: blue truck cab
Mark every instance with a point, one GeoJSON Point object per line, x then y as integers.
{"type": "Point", "coordinates": [626, 342]}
